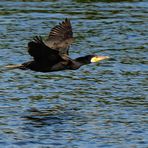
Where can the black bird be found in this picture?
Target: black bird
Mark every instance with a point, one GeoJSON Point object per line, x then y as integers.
{"type": "Point", "coordinates": [52, 54]}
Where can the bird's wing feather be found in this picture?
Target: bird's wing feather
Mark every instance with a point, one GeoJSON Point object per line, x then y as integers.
{"type": "Point", "coordinates": [40, 52]}
{"type": "Point", "coordinates": [61, 36]}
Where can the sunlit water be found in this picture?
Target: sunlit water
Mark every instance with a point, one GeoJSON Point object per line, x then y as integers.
{"type": "Point", "coordinates": [99, 105]}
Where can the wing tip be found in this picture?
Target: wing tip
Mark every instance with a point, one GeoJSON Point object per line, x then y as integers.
{"type": "Point", "coordinates": [67, 20]}
{"type": "Point", "coordinates": [61, 31]}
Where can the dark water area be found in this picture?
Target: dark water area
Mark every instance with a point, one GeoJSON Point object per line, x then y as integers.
{"type": "Point", "coordinates": [98, 105]}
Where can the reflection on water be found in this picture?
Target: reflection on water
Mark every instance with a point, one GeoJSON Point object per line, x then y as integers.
{"type": "Point", "coordinates": [99, 105]}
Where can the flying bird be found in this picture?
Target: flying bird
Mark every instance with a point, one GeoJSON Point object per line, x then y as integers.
{"type": "Point", "coordinates": [52, 54]}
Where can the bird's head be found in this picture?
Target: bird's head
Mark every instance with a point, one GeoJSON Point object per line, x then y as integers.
{"type": "Point", "coordinates": [80, 61]}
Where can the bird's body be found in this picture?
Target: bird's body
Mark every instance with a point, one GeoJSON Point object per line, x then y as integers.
{"type": "Point", "coordinates": [52, 54]}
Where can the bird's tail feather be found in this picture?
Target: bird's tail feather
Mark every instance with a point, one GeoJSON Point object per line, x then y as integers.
{"type": "Point", "coordinates": [13, 66]}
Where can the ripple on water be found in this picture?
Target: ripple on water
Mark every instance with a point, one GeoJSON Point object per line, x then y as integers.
{"type": "Point", "coordinates": [99, 105]}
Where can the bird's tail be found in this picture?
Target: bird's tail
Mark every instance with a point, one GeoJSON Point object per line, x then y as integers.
{"type": "Point", "coordinates": [14, 66]}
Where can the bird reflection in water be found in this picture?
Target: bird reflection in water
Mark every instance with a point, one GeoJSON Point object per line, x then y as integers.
{"type": "Point", "coordinates": [39, 118]}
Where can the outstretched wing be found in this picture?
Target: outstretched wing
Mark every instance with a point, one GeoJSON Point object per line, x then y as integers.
{"type": "Point", "coordinates": [40, 52]}
{"type": "Point", "coordinates": [61, 37]}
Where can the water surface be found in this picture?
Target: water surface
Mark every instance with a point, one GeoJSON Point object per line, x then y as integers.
{"type": "Point", "coordinates": [99, 105]}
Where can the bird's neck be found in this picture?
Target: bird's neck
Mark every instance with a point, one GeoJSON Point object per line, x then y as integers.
{"type": "Point", "coordinates": [82, 61]}
{"type": "Point", "coordinates": [77, 63]}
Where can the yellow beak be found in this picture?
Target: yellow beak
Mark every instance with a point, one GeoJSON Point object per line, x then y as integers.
{"type": "Point", "coordinates": [98, 58]}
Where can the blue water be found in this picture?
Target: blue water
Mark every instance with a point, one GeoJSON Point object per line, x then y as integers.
{"type": "Point", "coordinates": [98, 105]}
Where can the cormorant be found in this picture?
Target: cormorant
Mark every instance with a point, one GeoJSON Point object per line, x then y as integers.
{"type": "Point", "coordinates": [52, 54]}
